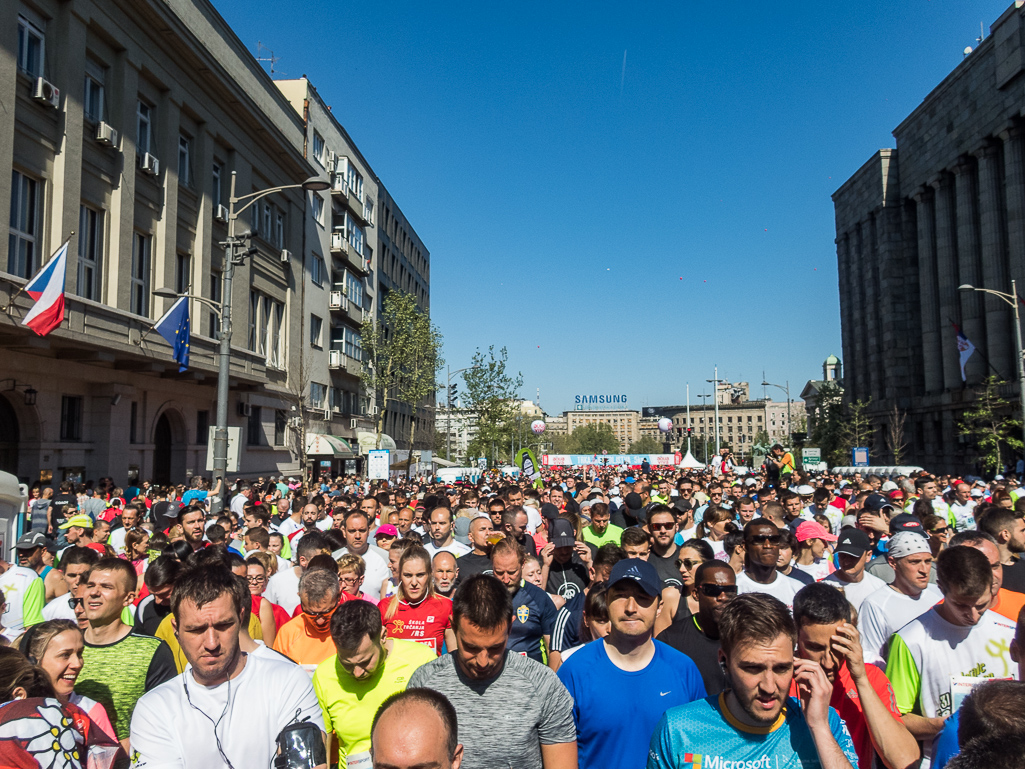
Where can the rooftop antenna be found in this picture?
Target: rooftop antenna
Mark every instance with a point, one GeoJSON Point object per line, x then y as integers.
{"type": "Point", "coordinates": [260, 48]}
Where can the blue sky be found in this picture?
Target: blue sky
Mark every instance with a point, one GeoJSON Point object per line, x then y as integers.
{"type": "Point", "coordinates": [623, 229]}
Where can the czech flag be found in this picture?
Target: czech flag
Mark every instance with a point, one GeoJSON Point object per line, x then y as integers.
{"type": "Point", "coordinates": [47, 288]}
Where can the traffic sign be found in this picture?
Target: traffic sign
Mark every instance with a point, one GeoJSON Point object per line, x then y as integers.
{"type": "Point", "coordinates": [859, 456]}
{"type": "Point", "coordinates": [605, 452]}
{"type": "Point", "coordinates": [811, 456]}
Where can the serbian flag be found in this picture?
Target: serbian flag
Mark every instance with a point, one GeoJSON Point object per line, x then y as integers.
{"type": "Point", "coordinates": [47, 288]}
{"type": "Point", "coordinates": [965, 348]}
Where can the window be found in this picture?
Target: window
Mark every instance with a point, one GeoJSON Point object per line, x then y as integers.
{"type": "Point", "coordinates": [31, 45]}
{"type": "Point", "coordinates": [143, 128]}
{"type": "Point", "coordinates": [92, 102]}
{"type": "Point", "coordinates": [354, 288]}
{"type": "Point", "coordinates": [184, 161]}
{"type": "Point", "coordinates": [140, 274]}
{"type": "Point", "coordinates": [279, 229]}
{"type": "Point", "coordinates": [317, 270]}
{"type": "Point", "coordinates": [202, 425]}
{"type": "Point", "coordinates": [71, 418]}
{"type": "Point", "coordinates": [90, 250]}
{"type": "Point", "coordinates": [316, 331]}
{"type": "Point", "coordinates": [133, 423]}
{"type": "Point", "coordinates": [217, 193]}
{"type": "Point", "coordinates": [276, 337]}
{"type": "Point", "coordinates": [353, 344]}
{"type": "Point", "coordinates": [318, 395]}
{"type": "Point", "coordinates": [21, 242]}
{"type": "Point", "coordinates": [318, 148]}
{"type": "Point", "coordinates": [267, 219]}
{"type": "Point", "coordinates": [355, 181]}
{"type": "Point", "coordinates": [254, 427]}
{"type": "Point", "coordinates": [355, 235]}
{"type": "Point", "coordinates": [368, 211]}
{"type": "Point", "coordinates": [318, 209]}
{"type": "Point", "coordinates": [254, 314]}
{"type": "Point", "coordinates": [182, 273]}
{"type": "Point", "coordinates": [213, 323]}
{"type": "Point", "coordinates": [280, 420]}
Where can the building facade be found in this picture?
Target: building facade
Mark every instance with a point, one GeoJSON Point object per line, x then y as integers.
{"type": "Point", "coordinates": [945, 207]}
{"type": "Point", "coordinates": [625, 424]}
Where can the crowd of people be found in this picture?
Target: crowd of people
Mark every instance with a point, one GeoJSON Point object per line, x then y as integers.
{"type": "Point", "coordinates": [597, 617]}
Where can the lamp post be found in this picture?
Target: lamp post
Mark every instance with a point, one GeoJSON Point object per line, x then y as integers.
{"type": "Point", "coordinates": [786, 389]}
{"type": "Point", "coordinates": [1011, 299]}
{"type": "Point", "coordinates": [704, 436]}
{"type": "Point", "coordinates": [715, 386]}
{"type": "Point", "coordinates": [231, 259]}
{"type": "Point", "coordinates": [448, 412]}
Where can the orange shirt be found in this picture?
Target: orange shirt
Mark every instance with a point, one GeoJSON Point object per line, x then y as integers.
{"type": "Point", "coordinates": [302, 641]}
{"type": "Point", "coordinates": [1008, 604]}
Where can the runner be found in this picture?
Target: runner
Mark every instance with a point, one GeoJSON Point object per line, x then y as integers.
{"type": "Point", "coordinates": [75, 565]}
{"type": "Point", "coordinates": [761, 547]}
{"type": "Point", "coordinates": [415, 612]}
{"type": "Point", "coordinates": [416, 728]}
{"type": "Point", "coordinates": [534, 614]}
{"type": "Point", "coordinates": [306, 638]}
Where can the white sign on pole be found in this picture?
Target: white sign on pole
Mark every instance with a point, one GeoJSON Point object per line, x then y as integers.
{"type": "Point", "coordinates": [234, 434]}
{"type": "Point", "coordinates": [378, 464]}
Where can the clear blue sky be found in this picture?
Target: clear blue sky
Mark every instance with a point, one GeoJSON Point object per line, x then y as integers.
{"type": "Point", "coordinates": [624, 230]}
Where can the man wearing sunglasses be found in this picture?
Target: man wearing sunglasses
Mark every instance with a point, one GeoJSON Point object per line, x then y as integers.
{"type": "Point", "coordinates": [761, 552]}
{"type": "Point", "coordinates": [664, 550]}
{"type": "Point", "coordinates": [306, 638]}
{"type": "Point", "coordinates": [697, 635]}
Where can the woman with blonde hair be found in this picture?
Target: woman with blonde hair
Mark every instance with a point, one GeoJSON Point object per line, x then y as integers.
{"type": "Point", "coordinates": [415, 612]}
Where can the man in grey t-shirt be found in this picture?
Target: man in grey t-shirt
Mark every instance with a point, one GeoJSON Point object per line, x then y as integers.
{"type": "Point", "coordinates": [512, 711]}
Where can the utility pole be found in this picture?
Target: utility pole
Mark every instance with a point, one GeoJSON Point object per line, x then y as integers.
{"type": "Point", "coordinates": [715, 395]}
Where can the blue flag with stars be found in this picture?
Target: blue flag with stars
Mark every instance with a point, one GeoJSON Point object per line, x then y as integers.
{"type": "Point", "coordinates": [174, 327]}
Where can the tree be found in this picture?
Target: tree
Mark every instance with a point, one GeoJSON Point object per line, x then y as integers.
{"type": "Point", "coordinates": [991, 425]}
{"type": "Point", "coordinates": [299, 411]}
{"type": "Point", "coordinates": [594, 439]}
{"type": "Point", "coordinates": [857, 427]}
{"type": "Point", "coordinates": [829, 425]}
{"type": "Point", "coordinates": [645, 445]}
{"type": "Point", "coordinates": [896, 435]}
{"type": "Point", "coordinates": [490, 394]}
{"type": "Point", "coordinates": [400, 356]}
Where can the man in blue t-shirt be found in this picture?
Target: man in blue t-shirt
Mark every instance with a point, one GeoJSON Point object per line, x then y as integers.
{"type": "Point", "coordinates": [533, 617]}
{"type": "Point", "coordinates": [754, 723]}
{"type": "Point", "coordinates": [622, 684]}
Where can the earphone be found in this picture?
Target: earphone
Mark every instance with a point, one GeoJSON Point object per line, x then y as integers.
{"type": "Point", "coordinates": [217, 723]}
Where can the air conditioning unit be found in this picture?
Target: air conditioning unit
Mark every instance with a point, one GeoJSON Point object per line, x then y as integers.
{"type": "Point", "coordinates": [336, 409]}
{"type": "Point", "coordinates": [337, 241]}
{"type": "Point", "coordinates": [106, 134]}
{"type": "Point", "coordinates": [352, 424]}
{"type": "Point", "coordinates": [150, 165]}
{"type": "Point", "coordinates": [334, 300]}
{"type": "Point", "coordinates": [331, 159]}
{"type": "Point", "coordinates": [327, 413]}
{"type": "Point", "coordinates": [334, 358]}
{"type": "Point", "coordinates": [244, 409]}
{"type": "Point", "coordinates": [286, 256]}
{"type": "Point", "coordinates": [45, 91]}
{"type": "Point", "coordinates": [221, 213]}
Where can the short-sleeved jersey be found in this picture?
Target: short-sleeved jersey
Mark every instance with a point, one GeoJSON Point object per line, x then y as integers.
{"type": "Point", "coordinates": [705, 734]}
{"type": "Point", "coordinates": [25, 596]}
{"type": "Point", "coordinates": [566, 634]}
{"type": "Point", "coordinates": [885, 612]}
{"type": "Point", "coordinates": [425, 623]}
{"type": "Point", "coordinates": [533, 617]}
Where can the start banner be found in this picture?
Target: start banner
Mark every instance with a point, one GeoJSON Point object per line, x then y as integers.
{"type": "Point", "coordinates": [582, 460]}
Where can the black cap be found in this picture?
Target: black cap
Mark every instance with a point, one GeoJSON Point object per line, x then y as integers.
{"type": "Point", "coordinates": [562, 533]}
{"type": "Point", "coordinates": [876, 503]}
{"type": "Point", "coordinates": [906, 522]}
{"type": "Point", "coordinates": [853, 542]}
{"type": "Point", "coordinates": [548, 510]}
{"type": "Point", "coordinates": [633, 501]}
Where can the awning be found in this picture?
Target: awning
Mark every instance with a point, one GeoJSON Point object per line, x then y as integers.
{"type": "Point", "coordinates": [444, 462]}
{"type": "Point", "coordinates": [323, 445]}
{"type": "Point", "coordinates": [368, 442]}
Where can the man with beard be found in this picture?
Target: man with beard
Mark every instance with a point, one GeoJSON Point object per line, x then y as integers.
{"type": "Point", "coordinates": [761, 554]}
{"type": "Point", "coordinates": [226, 702]}
{"type": "Point", "coordinates": [445, 573]}
{"type": "Point", "coordinates": [533, 611]}
{"type": "Point", "coordinates": [754, 722]}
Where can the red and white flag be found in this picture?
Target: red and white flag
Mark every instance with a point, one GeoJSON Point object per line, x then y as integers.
{"type": "Point", "coordinates": [47, 288]}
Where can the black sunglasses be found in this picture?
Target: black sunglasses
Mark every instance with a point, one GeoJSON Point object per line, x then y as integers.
{"type": "Point", "coordinates": [714, 591]}
{"type": "Point", "coordinates": [73, 602]}
{"type": "Point", "coordinates": [765, 539]}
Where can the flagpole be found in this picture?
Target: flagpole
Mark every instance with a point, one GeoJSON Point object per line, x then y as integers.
{"type": "Point", "coordinates": [10, 302]}
{"type": "Point", "coordinates": [981, 353]}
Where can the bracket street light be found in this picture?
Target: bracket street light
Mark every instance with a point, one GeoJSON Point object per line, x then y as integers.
{"type": "Point", "coordinates": [790, 423]}
{"type": "Point", "coordinates": [1011, 299]}
{"type": "Point", "coordinates": [10, 385]}
{"type": "Point", "coordinates": [232, 257]}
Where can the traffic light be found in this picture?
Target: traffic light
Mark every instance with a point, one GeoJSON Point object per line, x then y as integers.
{"type": "Point", "coordinates": [452, 395]}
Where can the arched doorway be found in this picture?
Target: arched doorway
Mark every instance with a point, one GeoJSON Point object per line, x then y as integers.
{"type": "Point", "coordinates": [10, 435]}
{"type": "Point", "coordinates": [162, 437]}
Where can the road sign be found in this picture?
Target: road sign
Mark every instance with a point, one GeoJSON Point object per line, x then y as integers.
{"type": "Point", "coordinates": [605, 452]}
{"type": "Point", "coordinates": [234, 433]}
{"type": "Point", "coordinates": [859, 456]}
{"type": "Point", "coordinates": [811, 456]}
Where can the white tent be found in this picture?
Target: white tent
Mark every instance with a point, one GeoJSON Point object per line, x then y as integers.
{"type": "Point", "coordinates": [690, 463]}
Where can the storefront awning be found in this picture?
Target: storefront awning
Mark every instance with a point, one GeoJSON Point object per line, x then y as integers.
{"type": "Point", "coordinates": [368, 442]}
{"type": "Point", "coordinates": [322, 445]}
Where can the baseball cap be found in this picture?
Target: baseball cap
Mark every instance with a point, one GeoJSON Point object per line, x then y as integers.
{"type": "Point", "coordinates": [905, 522]}
{"type": "Point", "coordinates": [562, 533]}
{"type": "Point", "coordinates": [876, 503]}
{"type": "Point", "coordinates": [629, 479]}
{"type": "Point", "coordinates": [813, 530]}
{"type": "Point", "coordinates": [889, 486]}
{"type": "Point", "coordinates": [976, 492]}
{"type": "Point", "coordinates": [641, 572]}
{"type": "Point", "coordinates": [907, 543]}
{"type": "Point", "coordinates": [81, 519]}
{"type": "Point", "coordinates": [633, 501]}
{"type": "Point", "coordinates": [387, 530]}
{"type": "Point", "coordinates": [848, 521]}
{"type": "Point", "coordinates": [31, 541]}
{"type": "Point", "coordinates": [853, 542]}
{"type": "Point", "coordinates": [896, 494]}
{"type": "Point", "coordinates": [550, 511]}
{"type": "Point", "coordinates": [805, 491]}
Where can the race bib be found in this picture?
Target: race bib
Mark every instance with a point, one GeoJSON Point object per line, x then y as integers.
{"type": "Point", "coordinates": [359, 761]}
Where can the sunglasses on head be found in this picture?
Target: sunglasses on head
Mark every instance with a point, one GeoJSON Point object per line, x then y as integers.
{"type": "Point", "coordinates": [714, 591]}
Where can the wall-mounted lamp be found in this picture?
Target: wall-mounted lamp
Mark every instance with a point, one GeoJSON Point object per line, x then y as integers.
{"type": "Point", "coordinates": [7, 385]}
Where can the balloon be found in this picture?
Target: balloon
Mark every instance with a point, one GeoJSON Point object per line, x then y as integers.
{"type": "Point", "coordinates": [665, 424]}
{"type": "Point", "coordinates": [537, 426]}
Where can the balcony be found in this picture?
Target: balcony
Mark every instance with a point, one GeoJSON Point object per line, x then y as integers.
{"type": "Point", "coordinates": [339, 361]}
{"type": "Point", "coordinates": [342, 250]}
{"type": "Point", "coordinates": [341, 192]}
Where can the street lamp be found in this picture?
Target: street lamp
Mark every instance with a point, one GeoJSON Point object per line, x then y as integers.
{"type": "Point", "coordinates": [704, 437]}
{"type": "Point", "coordinates": [231, 258]}
{"type": "Point", "coordinates": [786, 389]}
{"type": "Point", "coordinates": [1011, 299]}
{"type": "Point", "coordinates": [715, 387]}
{"type": "Point", "coordinates": [448, 410]}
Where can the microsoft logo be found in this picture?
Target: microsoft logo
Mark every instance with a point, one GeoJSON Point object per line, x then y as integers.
{"type": "Point", "coordinates": [693, 758]}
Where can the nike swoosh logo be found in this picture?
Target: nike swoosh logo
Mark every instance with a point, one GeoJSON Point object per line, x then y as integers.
{"type": "Point", "coordinates": [663, 694]}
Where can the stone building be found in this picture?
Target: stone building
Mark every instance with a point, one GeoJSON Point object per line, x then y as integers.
{"type": "Point", "coordinates": [625, 424]}
{"type": "Point", "coordinates": [945, 207]}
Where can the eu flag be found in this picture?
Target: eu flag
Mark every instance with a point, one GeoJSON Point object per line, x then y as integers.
{"type": "Point", "coordinates": [174, 327]}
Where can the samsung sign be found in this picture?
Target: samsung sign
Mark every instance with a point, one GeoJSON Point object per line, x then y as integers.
{"type": "Point", "coordinates": [600, 400]}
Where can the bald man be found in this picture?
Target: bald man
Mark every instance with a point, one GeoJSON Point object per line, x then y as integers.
{"type": "Point", "coordinates": [416, 728]}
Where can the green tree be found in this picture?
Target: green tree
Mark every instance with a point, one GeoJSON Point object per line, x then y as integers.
{"type": "Point", "coordinates": [593, 439]}
{"type": "Point", "coordinates": [829, 425]}
{"type": "Point", "coordinates": [421, 365]}
{"type": "Point", "coordinates": [991, 426]}
{"type": "Point", "coordinates": [645, 445]}
{"type": "Point", "coordinates": [490, 395]}
{"type": "Point", "coordinates": [857, 427]}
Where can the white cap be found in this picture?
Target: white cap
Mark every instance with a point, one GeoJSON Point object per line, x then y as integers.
{"type": "Point", "coordinates": [889, 486]}
{"type": "Point", "coordinates": [805, 491]}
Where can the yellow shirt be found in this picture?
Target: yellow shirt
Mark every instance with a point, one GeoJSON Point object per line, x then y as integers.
{"type": "Point", "coordinates": [165, 632]}
{"type": "Point", "coordinates": [349, 705]}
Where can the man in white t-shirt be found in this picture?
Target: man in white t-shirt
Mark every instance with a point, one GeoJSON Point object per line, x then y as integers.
{"type": "Point", "coordinates": [283, 587]}
{"type": "Point", "coordinates": [958, 637]}
{"type": "Point", "coordinates": [962, 509]}
{"type": "Point", "coordinates": [442, 538]}
{"type": "Point", "coordinates": [357, 542]}
{"type": "Point", "coordinates": [910, 596]}
{"type": "Point", "coordinates": [129, 520]}
{"type": "Point", "coordinates": [762, 539]}
{"type": "Point", "coordinates": [853, 549]}
{"type": "Point", "coordinates": [228, 706]}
